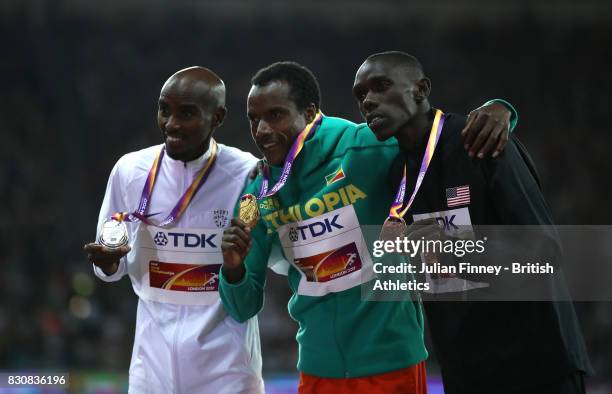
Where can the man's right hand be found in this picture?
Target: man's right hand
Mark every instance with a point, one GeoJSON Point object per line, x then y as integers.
{"type": "Point", "coordinates": [106, 259]}
{"type": "Point", "coordinates": [427, 230]}
{"type": "Point", "coordinates": [235, 246]}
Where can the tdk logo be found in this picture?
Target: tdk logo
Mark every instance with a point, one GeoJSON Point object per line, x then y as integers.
{"type": "Point", "coordinates": [186, 240]}
{"type": "Point", "coordinates": [160, 239]}
{"type": "Point", "coordinates": [293, 234]}
{"type": "Point", "coordinates": [447, 222]}
{"type": "Point", "coordinates": [315, 229]}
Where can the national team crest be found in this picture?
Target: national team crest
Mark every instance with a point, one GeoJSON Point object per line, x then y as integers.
{"type": "Point", "coordinates": [221, 217]}
{"type": "Point", "coordinates": [335, 176]}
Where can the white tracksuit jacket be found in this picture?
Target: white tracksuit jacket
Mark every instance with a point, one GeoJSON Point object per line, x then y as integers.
{"type": "Point", "coordinates": [184, 348]}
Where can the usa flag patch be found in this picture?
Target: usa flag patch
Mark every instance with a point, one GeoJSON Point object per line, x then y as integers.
{"type": "Point", "coordinates": [459, 195]}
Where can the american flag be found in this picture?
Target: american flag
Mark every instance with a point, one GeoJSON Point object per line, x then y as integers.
{"type": "Point", "coordinates": [459, 195]}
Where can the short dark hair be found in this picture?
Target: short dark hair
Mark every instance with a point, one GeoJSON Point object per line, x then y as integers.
{"type": "Point", "coordinates": [400, 58]}
{"type": "Point", "coordinates": [303, 85]}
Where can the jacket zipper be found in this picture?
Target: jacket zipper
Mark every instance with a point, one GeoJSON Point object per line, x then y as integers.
{"type": "Point", "coordinates": [179, 320]}
{"type": "Point", "coordinates": [342, 356]}
{"type": "Point", "coordinates": [175, 366]}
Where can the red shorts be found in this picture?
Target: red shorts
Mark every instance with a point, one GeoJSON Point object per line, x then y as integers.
{"type": "Point", "coordinates": [412, 380]}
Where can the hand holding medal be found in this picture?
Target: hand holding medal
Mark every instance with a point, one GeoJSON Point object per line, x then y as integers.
{"type": "Point", "coordinates": [237, 238]}
{"type": "Point", "coordinates": [235, 246]}
{"type": "Point", "coordinates": [114, 237]}
{"type": "Point", "coordinates": [426, 229]}
{"type": "Point", "coordinates": [107, 259]}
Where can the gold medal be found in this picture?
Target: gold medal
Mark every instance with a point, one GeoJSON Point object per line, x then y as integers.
{"type": "Point", "coordinates": [393, 228]}
{"type": "Point", "coordinates": [249, 213]}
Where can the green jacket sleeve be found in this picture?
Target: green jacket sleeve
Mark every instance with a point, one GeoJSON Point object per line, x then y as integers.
{"type": "Point", "coordinates": [513, 115]}
{"type": "Point", "coordinates": [245, 299]}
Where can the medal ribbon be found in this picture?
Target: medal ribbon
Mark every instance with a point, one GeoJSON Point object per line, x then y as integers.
{"type": "Point", "coordinates": [183, 202]}
{"type": "Point", "coordinates": [296, 148]}
{"type": "Point", "coordinates": [399, 209]}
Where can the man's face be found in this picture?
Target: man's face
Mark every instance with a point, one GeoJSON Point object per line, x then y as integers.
{"type": "Point", "coordinates": [185, 122]}
{"type": "Point", "coordinates": [385, 95]}
{"type": "Point", "coordinates": [275, 120]}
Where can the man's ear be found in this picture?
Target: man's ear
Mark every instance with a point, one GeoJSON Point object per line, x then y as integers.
{"type": "Point", "coordinates": [219, 117]}
{"type": "Point", "coordinates": [311, 112]}
{"type": "Point", "coordinates": [422, 89]}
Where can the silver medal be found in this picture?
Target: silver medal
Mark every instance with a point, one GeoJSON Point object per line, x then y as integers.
{"type": "Point", "coordinates": [113, 234]}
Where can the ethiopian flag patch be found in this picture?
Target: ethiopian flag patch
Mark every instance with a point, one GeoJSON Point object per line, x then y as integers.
{"type": "Point", "coordinates": [335, 176]}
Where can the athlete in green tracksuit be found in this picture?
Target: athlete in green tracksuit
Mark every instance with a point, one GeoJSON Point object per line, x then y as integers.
{"type": "Point", "coordinates": [338, 182]}
{"type": "Point", "coordinates": [339, 334]}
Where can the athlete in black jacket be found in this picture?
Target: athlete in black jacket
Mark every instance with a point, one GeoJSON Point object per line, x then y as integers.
{"type": "Point", "coordinates": [483, 346]}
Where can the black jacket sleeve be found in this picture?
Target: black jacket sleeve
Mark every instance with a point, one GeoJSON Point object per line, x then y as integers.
{"type": "Point", "coordinates": [522, 231]}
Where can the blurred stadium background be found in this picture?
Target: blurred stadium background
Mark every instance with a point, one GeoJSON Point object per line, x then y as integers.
{"type": "Point", "coordinates": [80, 82]}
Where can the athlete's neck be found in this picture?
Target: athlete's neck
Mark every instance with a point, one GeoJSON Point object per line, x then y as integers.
{"type": "Point", "coordinates": [188, 156]}
{"type": "Point", "coordinates": [412, 136]}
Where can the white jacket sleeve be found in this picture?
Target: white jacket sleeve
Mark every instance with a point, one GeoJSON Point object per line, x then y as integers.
{"type": "Point", "coordinates": [113, 202]}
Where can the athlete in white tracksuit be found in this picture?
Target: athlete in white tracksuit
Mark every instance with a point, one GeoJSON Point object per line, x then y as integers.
{"type": "Point", "coordinates": [185, 342]}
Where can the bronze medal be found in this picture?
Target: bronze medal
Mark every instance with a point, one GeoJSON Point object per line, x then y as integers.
{"type": "Point", "coordinates": [249, 213]}
{"type": "Point", "coordinates": [393, 228]}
